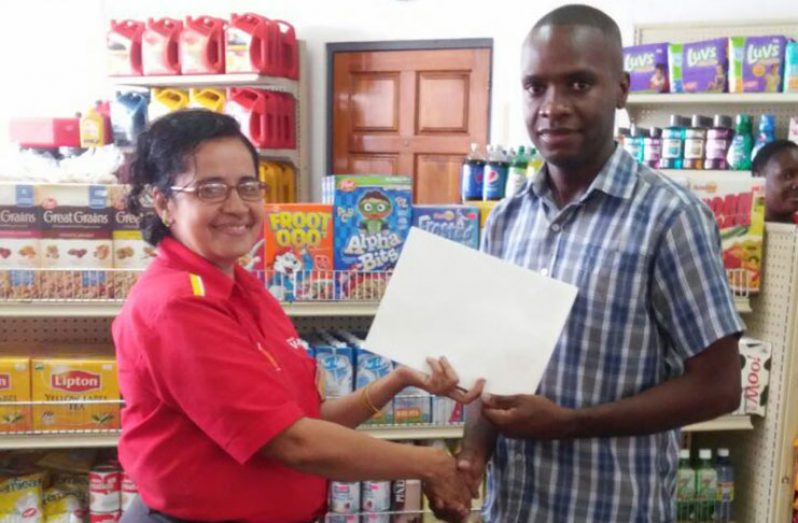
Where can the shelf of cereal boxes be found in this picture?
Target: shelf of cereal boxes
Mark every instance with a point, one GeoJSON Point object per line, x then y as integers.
{"type": "Point", "coordinates": [110, 438]}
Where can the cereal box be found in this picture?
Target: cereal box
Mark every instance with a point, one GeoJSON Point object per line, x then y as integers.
{"type": "Point", "coordinates": [20, 245]}
{"type": "Point", "coordinates": [131, 252]}
{"type": "Point", "coordinates": [76, 234]}
{"type": "Point", "coordinates": [756, 64]}
{"type": "Point", "coordinates": [80, 380]}
{"type": "Point", "coordinates": [699, 67]}
{"type": "Point", "coordinates": [298, 251]}
{"type": "Point", "coordinates": [485, 208]}
{"type": "Point", "coordinates": [739, 207]}
{"type": "Point", "coordinates": [372, 216]}
{"type": "Point", "coordinates": [15, 387]}
{"type": "Point", "coordinates": [459, 223]}
{"type": "Point", "coordinates": [755, 375]}
{"type": "Point", "coordinates": [647, 66]}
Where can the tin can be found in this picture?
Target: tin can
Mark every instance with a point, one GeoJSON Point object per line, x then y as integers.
{"type": "Point", "coordinates": [104, 489]}
{"type": "Point", "coordinates": [344, 497]}
{"type": "Point", "coordinates": [375, 496]}
{"type": "Point", "coordinates": [129, 491]}
{"type": "Point", "coordinates": [105, 517]}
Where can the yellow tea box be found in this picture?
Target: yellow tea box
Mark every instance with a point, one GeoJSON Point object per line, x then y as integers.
{"type": "Point", "coordinates": [15, 387]}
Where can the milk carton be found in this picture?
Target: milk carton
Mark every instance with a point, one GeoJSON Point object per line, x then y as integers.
{"type": "Point", "coordinates": [15, 387]}
{"type": "Point", "coordinates": [335, 360]}
{"type": "Point", "coordinates": [80, 380]}
{"type": "Point", "coordinates": [755, 375]}
{"type": "Point", "coordinates": [20, 245]}
{"type": "Point", "coordinates": [370, 368]}
{"type": "Point", "coordinates": [76, 223]}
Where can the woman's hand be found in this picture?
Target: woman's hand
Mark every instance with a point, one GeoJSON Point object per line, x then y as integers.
{"type": "Point", "coordinates": [442, 382]}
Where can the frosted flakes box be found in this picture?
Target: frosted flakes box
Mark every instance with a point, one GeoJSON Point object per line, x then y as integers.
{"type": "Point", "coordinates": [80, 380]}
{"type": "Point", "coordinates": [298, 251]}
{"type": "Point", "coordinates": [76, 239]}
{"type": "Point", "coordinates": [756, 64]}
{"type": "Point", "coordinates": [459, 223]}
{"type": "Point", "coordinates": [15, 387]}
{"type": "Point", "coordinates": [372, 216]}
{"type": "Point", "coordinates": [699, 67]}
{"type": "Point", "coordinates": [647, 66]}
{"type": "Point", "coordinates": [20, 241]}
{"type": "Point", "coordinates": [739, 208]}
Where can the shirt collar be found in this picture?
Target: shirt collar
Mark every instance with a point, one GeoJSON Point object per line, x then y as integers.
{"type": "Point", "coordinates": [175, 254]}
{"type": "Point", "coordinates": [616, 178]}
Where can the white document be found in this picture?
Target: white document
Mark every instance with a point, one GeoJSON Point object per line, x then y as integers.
{"type": "Point", "coordinates": [490, 318]}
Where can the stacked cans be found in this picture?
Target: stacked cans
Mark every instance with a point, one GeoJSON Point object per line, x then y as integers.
{"type": "Point", "coordinates": [111, 491]}
{"type": "Point", "coordinates": [373, 498]}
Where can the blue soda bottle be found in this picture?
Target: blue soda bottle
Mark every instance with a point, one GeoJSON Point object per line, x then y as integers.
{"type": "Point", "coordinates": [496, 170]}
{"type": "Point", "coordinates": [472, 175]}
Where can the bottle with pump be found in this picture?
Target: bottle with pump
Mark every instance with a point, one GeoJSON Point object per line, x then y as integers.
{"type": "Point", "coordinates": [673, 143]}
{"type": "Point", "coordinates": [472, 175]}
{"type": "Point", "coordinates": [739, 155]}
{"type": "Point", "coordinates": [719, 139]}
{"type": "Point", "coordinates": [695, 141]}
{"type": "Point", "coordinates": [516, 178]}
{"type": "Point", "coordinates": [767, 131]}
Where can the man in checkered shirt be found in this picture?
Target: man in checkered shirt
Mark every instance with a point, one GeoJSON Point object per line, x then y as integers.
{"type": "Point", "coordinates": [651, 342]}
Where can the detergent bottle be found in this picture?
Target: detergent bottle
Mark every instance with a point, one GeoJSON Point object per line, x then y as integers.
{"type": "Point", "coordinates": [252, 45]}
{"type": "Point", "coordinates": [166, 100]}
{"type": "Point", "coordinates": [159, 50]}
{"type": "Point", "coordinates": [124, 48]}
{"type": "Point", "coordinates": [202, 45]}
{"type": "Point", "coordinates": [207, 98]}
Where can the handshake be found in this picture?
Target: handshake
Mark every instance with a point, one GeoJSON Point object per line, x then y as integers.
{"type": "Point", "coordinates": [452, 482]}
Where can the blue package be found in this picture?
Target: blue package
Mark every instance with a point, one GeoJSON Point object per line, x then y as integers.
{"type": "Point", "coordinates": [336, 361]}
{"type": "Point", "coordinates": [459, 223]}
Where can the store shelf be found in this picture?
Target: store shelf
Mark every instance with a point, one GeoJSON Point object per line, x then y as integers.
{"type": "Point", "coordinates": [400, 432]}
{"type": "Point", "coordinates": [58, 441]}
{"type": "Point", "coordinates": [724, 423]}
{"type": "Point", "coordinates": [280, 155]}
{"type": "Point", "coordinates": [712, 98]}
{"type": "Point", "coordinates": [340, 308]}
{"type": "Point", "coordinates": [210, 80]}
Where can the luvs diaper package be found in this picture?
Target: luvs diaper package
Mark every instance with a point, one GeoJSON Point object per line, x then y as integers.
{"type": "Point", "coordinates": [699, 67]}
{"type": "Point", "coordinates": [756, 64]}
{"type": "Point", "coordinates": [647, 66]}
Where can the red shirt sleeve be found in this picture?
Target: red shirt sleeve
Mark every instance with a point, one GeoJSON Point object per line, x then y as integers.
{"type": "Point", "coordinates": [204, 364]}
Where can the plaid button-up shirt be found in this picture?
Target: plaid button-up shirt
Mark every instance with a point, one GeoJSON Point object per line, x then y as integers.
{"type": "Point", "coordinates": [645, 254]}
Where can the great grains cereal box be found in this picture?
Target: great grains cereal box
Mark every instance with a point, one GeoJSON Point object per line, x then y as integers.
{"type": "Point", "coordinates": [459, 223]}
{"type": "Point", "coordinates": [76, 235]}
{"type": "Point", "coordinates": [20, 245]}
{"type": "Point", "coordinates": [372, 216]}
{"type": "Point", "coordinates": [79, 380]}
{"type": "Point", "coordinates": [756, 64]}
{"type": "Point", "coordinates": [298, 250]}
{"type": "Point", "coordinates": [15, 387]}
{"type": "Point", "coordinates": [739, 207]}
{"type": "Point", "coordinates": [130, 252]}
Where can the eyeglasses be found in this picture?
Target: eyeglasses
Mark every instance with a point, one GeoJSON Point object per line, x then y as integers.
{"type": "Point", "coordinates": [217, 192]}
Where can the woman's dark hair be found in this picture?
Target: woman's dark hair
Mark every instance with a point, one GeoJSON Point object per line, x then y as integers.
{"type": "Point", "coordinates": [767, 152]}
{"type": "Point", "coordinates": [162, 153]}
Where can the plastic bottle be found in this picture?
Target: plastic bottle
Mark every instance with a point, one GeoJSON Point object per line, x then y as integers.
{"type": "Point", "coordinates": [685, 487]}
{"type": "Point", "coordinates": [725, 475]}
{"type": "Point", "coordinates": [652, 147]}
{"type": "Point", "coordinates": [495, 180]}
{"type": "Point", "coordinates": [767, 130]}
{"type": "Point", "coordinates": [719, 139]}
{"type": "Point", "coordinates": [472, 175]}
{"type": "Point", "coordinates": [739, 155]}
{"type": "Point", "coordinates": [622, 135]}
{"type": "Point", "coordinates": [706, 487]}
{"type": "Point", "coordinates": [673, 143]}
{"type": "Point", "coordinates": [695, 142]}
{"type": "Point", "coordinates": [516, 178]}
{"type": "Point", "coordinates": [634, 143]}
{"type": "Point", "coordinates": [534, 162]}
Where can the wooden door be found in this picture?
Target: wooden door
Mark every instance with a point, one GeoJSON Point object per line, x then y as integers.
{"type": "Point", "coordinates": [410, 113]}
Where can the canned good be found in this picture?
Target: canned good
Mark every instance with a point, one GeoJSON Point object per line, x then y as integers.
{"type": "Point", "coordinates": [375, 496]}
{"type": "Point", "coordinates": [345, 497]}
{"type": "Point", "coordinates": [129, 491]}
{"type": "Point", "coordinates": [341, 518]}
{"type": "Point", "coordinates": [104, 489]}
{"type": "Point", "coordinates": [105, 517]}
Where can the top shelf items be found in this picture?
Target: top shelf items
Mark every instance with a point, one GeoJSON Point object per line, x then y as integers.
{"type": "Point", "coordinates": [712, 98]}
{"type": "Point", "coordinates": [285, 85]}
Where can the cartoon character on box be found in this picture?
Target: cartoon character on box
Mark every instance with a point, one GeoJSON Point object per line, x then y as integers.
{"type": "Point", "coordinates": [375, 208]}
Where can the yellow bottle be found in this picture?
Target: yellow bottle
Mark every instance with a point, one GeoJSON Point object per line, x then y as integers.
{"type": "Point", "coordinates": [212, 99]}
{"type": "Point", "coordinates": [288, 185]}
{"type": "Point", "coordinates": [270, 174]}
{"type": "Point", "coordinates": [166, 100]}
{"type": "Point", "coordinates": [92, 128]}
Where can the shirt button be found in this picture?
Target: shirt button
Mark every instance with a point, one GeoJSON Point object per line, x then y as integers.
{"type": "Point", "coordinates": [544, 272]}
{"type": "Point", "coordinates": [555, 227]}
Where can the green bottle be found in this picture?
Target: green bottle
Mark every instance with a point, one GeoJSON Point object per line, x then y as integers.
{"type": "Point", "coordinates": [685, 488]}
{"type": "Point", "coordinates": [517, 175]}
{"type": "Point", "coordinates": [739, 156]}
{"type": "Point", "coordinates": [706, 487]}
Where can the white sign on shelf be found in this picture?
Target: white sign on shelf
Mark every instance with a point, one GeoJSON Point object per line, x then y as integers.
{"type": "Point", "coordinates": [492, 319]}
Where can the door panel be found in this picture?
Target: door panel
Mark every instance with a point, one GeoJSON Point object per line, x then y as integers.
{"type": "Point", "coordinates": [411, 113]}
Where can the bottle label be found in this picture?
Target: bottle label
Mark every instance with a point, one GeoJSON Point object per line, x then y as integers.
{"type": "Point", "coordinates": [716, 149]}
{"type": "Point", "coordinates": [693, 149]}
{"type": "Point", "coordinates": [652, 150]}
{"type": "Point", "coordinates": [685, 484]}
{"type": "Point", "coordinates": [672, 148]}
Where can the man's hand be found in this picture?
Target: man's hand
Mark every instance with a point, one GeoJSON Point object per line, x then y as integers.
{"type": "Point", "coordinates": [471, 465]}
{"type": "Point", "coordinates": [450, 497]}
{"type": "Point", "coordinates": [529, 416]}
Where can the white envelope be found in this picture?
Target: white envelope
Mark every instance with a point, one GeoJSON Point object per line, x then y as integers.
{"type": "Point", "coordinates": [491, 319]}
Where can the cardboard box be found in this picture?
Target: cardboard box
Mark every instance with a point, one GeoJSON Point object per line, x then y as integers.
{"type": "Point", "coordinates": [699, 67]}
{"type": "Point", "coordinates": [647, 66]}
{"type": "Point", "coordinates": [459, 223]}
{"type": "Point", "coordinates": [755, 357]}
{"type": "Point", "coordinates": [756, 64]}
{"type": "Point", "coordinates": [20, 241]}
{"type": "Point", "coordinates": [15, 387]}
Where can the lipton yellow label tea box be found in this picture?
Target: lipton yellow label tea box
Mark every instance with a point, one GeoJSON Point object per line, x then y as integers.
{"type": "Point", "coordinates": [14, 388]}
{"type": "Point", "coordinates": [82, 382]}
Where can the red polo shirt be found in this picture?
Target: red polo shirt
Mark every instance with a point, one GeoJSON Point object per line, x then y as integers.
{"type": "Point", "coordinates": [210, 371]}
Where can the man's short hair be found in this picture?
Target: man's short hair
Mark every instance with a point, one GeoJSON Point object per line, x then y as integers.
{"type": "Point", "coordinates": [578, 14]}
{"type": "Point", "coordinates": [767, 152]}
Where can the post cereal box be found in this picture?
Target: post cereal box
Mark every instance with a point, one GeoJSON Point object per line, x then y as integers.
{"type": "Point", "coordinates": [20, 246]}
{"type": "Point", "coordinates": [298, 251]}
{"type": "Point", "coordinates": [739, 207]}
{"type": "Point", "coordinates": [15, 387]}
{"type": "Point", "coordinates": [756, 64]}
{"type": "Point", "coordinates": [647, 66]}
{"type": "Point", "coordinates": [76, 238]}
{"type": "Point", "coordinates": [459, 223]}
{"type": "Point", "coordinates": [80, 380]}
{"type": "Point", "coordinates": [130, 251]}
{"type": "Point", "coordinates": [372, 218]}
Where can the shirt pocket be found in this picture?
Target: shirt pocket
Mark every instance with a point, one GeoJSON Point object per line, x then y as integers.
{"type": "Point", "coordinates": [615, 281]}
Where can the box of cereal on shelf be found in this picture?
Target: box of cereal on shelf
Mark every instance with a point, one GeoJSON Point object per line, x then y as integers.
{"type": "Point", "coordinates": [372, 216]}
{"type": "Point", "coordinates": [80, 380]}
{"type": "Point", "coordinates": [459, 223]}
{"type": "Point", "coordinates": [738, 203]}
{"type": "Point", "coordinates": [130, 252]}
{"type": "Point", "coordinates": [76, 240]}
{"type": "Point", "coordinates": [15, 388]}
{"type": "Point", "coordinates": [20, 245]}
{"type": "Point", "coordinates": [298, 251]}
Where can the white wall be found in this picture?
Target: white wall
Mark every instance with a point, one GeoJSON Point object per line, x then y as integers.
{"type": "Point", "coordinates": [53, 55]}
